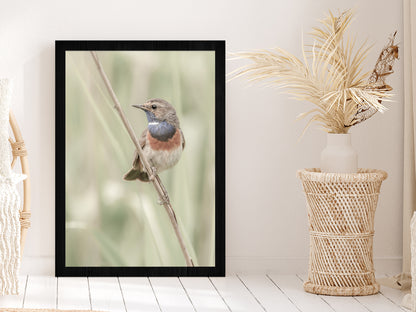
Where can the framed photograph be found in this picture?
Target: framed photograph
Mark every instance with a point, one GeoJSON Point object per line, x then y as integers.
{"type": "Point", "coordinates": [140, 158]}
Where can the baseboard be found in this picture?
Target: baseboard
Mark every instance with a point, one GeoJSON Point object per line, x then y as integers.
{"type": "Point", "coordinates": [38, 265]}
{"type": "Point", "coordinates": [46, 265]}
{"type": "Point", "coordinates": [236, 265]}
{"type": "Point", "coordinates": [259, 265]}
{"type": "Point", "coordinates": [390, 266]}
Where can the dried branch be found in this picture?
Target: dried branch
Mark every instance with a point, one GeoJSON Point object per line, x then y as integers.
{"type": "Point", "coordinates": [377, 79]}
{"type": "Point", "coordinates": [157, 183]}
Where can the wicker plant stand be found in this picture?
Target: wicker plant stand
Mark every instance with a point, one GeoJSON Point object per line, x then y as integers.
{"type": "Point", "coordinates": [341, 210]}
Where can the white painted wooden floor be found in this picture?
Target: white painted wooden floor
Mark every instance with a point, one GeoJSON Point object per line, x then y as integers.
{"type": "Point", "coordinates": [283, 293]}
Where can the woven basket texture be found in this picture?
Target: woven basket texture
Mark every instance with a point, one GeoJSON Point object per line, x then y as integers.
{"type": "Point", "coordinates": [341, 209]}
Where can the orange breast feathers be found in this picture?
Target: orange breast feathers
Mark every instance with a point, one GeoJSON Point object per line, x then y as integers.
{"type": "Point", "coordinates": [172, 143]}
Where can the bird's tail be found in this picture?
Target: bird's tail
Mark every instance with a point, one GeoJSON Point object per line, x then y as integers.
{"type": "Point", "coordinates": [135, 174]}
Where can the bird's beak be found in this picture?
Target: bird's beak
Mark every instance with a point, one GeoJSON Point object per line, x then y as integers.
{"type": "Point", "coordinates": [142, 107]}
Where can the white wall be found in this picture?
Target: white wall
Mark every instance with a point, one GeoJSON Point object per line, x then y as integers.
{"type": "Point", "coordinates": [266, 215]}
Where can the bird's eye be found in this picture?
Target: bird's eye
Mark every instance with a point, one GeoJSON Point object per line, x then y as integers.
{"type": "Point", "coordinates": [154, 106]}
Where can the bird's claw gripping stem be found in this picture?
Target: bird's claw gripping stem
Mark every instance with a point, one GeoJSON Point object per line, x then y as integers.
{"type": "Point", "coordinates": [165, 197]}
{"type": "Point", "coordinates": [163, 200]}
{"type": "Point", "coordinates": [152, 174]}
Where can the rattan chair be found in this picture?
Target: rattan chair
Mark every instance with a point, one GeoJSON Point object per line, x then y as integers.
{"type": "Point", "coordinates": [19, 152]}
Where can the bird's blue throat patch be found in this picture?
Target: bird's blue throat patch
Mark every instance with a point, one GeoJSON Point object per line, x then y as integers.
{"type": "Point", "coordinates": [162, 130]}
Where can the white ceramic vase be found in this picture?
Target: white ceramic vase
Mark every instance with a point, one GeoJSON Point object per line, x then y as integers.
{"type": "Point", "coordinates": [339, 156]}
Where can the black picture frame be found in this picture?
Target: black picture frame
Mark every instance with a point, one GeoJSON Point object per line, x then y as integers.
{"type": "Point", "coordinates": [61, 47]}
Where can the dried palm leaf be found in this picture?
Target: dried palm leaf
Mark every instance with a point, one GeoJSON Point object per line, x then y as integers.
{"type": "Point", "coordinates": [330, 75]}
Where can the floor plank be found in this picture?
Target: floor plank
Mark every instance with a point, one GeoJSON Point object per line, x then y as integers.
{"type": "Point", "coordinates": [269, 296]}
{"type": "Point", "coordinates": [235, 294]}
{"type": "Point", "coordinates": [106, 294]}
{"type": "Point", "coordinates": [73, 293]}
{"type": "Point", "coordinates": [344, 304]}
{"type": "Point", "coordinates": [170, 294]}
{"type": "Point", "coordinates": [292, 286]}
{"type": "Point", "coordinates": [15, 301]}
{"type": "Point", "coordinates": [40, 292]}
{"type": "Point", "coordinates": [340, 304]}
{"type": "Point", "coordinates": [203, 294]}
{"type": "Point", "coordinates": [378, 303]}
{"type": "Point", "coordinates": [138, 294]}
{"type": "Point", "coordinates": [394, 295]}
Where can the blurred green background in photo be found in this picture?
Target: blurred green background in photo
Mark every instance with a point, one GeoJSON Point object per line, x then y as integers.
{"type": "Point", "coordinates": [111, 222]}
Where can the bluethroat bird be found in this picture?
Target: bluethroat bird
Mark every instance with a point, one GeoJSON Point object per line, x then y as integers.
{"type": "Point", "coordinates": [162, 142]}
